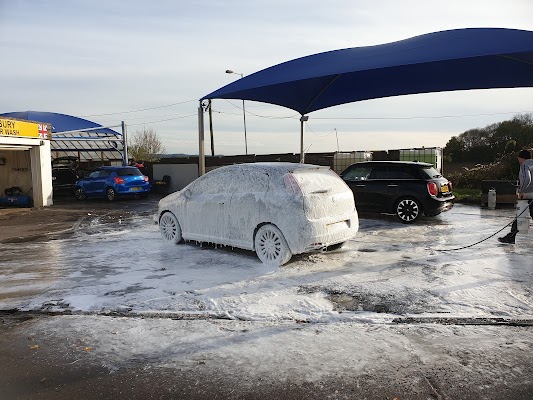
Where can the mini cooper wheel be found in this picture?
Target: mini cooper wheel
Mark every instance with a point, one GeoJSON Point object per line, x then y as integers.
{"type": "Point", "coordinates": [408, 210]}
{"type": "Point", "coordinates": [79, 194]}
{"type": "Point", "coordinates": [271, 246]}
{"type": "Point", "coordinates": [111, 194]}
{"type": "Point", "coordinates": [170, 228]}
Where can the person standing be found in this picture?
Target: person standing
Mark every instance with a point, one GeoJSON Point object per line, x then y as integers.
{"type": "Point", "coordinates": [525, 191]}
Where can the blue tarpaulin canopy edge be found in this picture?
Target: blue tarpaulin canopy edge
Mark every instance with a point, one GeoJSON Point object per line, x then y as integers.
{"type": "Point", "coordinates": [459, 59]}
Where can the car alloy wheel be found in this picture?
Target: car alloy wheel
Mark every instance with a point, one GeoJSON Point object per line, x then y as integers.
{"type": "Point", "coordinates": [170, 228]}
{"type": "Point", "coordinates": [111, 194]}
{"type": "Point", "coordinates": [271, 246]}
{"type": "Point", "coordinates": [408, 210]}
{"type": "Point", "coordinates": [79, 194]}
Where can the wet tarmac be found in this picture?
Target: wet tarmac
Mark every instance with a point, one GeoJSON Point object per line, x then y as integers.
{"type": "Point", "coordinates": [397, 313]}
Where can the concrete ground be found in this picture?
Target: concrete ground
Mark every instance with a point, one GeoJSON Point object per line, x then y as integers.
{"type": "Point", "coordinates": [68, 352]}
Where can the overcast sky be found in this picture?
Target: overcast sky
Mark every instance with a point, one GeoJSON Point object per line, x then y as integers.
{"type": "Point", "coordinates": [148, 63]}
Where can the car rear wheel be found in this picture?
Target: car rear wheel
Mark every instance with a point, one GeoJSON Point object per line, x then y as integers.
{"type": "Point", "coordinates": [170, 228]}
{"type": "Point", "coordinates": [79, 194]}
{"type": "Point", "coordinates": [111, 194]}
{"type": "Point", "coordinates": [271, 246]}
{"type": "Point", "coordinates": [408, 210]}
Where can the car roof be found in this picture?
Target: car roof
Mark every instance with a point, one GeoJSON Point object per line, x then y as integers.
{"type": "Point", "coordinates": [116, 167]}
{"type": "Point", "coordinates": [396, 162]}
{"type": "Point", "coordinates": [276, 166]}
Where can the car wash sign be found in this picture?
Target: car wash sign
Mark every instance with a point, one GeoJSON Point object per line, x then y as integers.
{"type": "Point", "coordinates": [27, 129]}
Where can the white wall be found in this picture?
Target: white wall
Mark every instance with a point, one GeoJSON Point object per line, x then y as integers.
{"type": "Point", "coordinates": [16, 171]}
{"type": "Point", "coordinates": [180, 174]}
{"type": "Point", "coordinates": [41, 171]}
{"type": "Point", "coordinates": [28, 166]}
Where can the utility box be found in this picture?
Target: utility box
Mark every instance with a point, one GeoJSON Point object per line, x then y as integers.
{"type": "Point", "coordinates": [430, 155]}
{"type": "Point", "coordinates": [342, 160]}
{"type": "Point", "coordinates": [505, 192]}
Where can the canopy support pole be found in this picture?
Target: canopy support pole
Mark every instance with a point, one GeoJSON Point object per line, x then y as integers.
{"type": "Point", "coordinates": [303, 118]}
{"type": "Point", "coordinates": [124, 145]}
{"type": "Point", "coordinates": [201, 152]}
{"type": "Point", "coordinates": [211, 128]}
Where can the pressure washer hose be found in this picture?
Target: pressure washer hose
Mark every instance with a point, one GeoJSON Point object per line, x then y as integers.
{"type": "Point", "coordinates": [488, 237]}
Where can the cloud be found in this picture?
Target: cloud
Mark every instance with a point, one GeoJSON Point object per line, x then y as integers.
{"type": "Point", "coordinates": [101, 57]}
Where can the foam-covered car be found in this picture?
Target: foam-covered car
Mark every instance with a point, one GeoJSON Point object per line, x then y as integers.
{"type": "Point", "coordinates": [275, 209]}
{"type": "Point", "coordinates": [113, 182]}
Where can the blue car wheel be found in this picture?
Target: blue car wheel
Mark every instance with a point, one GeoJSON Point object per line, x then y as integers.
{"type": "Point", "coordinates": [111, 194]}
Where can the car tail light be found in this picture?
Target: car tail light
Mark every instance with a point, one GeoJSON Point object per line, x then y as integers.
{"type": "Point", "coordinates": [118, 180]}
{"type": "Point", "coordinates": [433, 189]}
{"type": "Point", "coordinates": [292, 184]}
{"type": "Point", "coordinates": [146, 179]}
{"type": "Point", "coordinates": [450, 186]}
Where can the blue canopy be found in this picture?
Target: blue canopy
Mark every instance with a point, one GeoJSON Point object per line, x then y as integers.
{"type": "Point", "coordinates": [460, 59]}
{"type": "Point", "coordinates": [61, 122]}
{"type": "Point", "coordinates": [86, 144]}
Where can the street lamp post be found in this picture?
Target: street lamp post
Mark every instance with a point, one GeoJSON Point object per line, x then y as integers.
{"type": "Point", "coordinates": [229, 71]}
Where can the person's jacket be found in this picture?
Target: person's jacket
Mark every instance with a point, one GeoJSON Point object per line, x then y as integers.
{"type": "Point", "coordinates": [526, 177]}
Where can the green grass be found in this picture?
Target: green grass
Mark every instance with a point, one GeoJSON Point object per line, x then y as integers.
{"type": "Point", "coordinates": [466, 194]}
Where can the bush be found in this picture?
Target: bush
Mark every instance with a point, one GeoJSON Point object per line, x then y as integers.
{"type": "Point", "coordinates": [504, 168]}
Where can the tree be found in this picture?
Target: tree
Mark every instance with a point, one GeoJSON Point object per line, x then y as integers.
{"type": "Point", "coordinates": [483, 145]}
{"type": "Point", "coordinates": [145, 145]}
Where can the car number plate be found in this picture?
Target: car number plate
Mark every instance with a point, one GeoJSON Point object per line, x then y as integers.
{"type": "Point", "coordinates": [444, 189]}
{"type": "Point", "coordinates": [135, 189]}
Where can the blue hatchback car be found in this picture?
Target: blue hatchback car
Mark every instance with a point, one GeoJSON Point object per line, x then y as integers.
{"type": "Point", "coordinates": [113, 182]}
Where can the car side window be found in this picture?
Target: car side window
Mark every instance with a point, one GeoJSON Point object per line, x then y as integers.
{"type": "Point", "coordinates": [380, 172]}
{"type": "Point", "coordinates": [250, 182]}
{"type": "Point", "coordinates": [358, 173]}
{"type": "Point", "coordinates": [104, 174]}
{"type": "Point", "coordinates": [209, 184]}
{"type": "Point", "coordinates": [402, 172]}
{"type": "Point", "coordinates": [94, 174]}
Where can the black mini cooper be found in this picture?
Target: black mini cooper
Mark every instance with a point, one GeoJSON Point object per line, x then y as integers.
{"type": "Point", "coordinates": [406, 189]}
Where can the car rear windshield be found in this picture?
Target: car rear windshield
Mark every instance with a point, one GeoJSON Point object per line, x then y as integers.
{"type": "Point", "coordinates": [128, 172]}
{"type": "Point", "coordinates": [319, 181]}
{"type": "Point", "coordinates": [431, 172]}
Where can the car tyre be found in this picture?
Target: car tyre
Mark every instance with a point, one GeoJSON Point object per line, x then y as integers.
{"type": "Point", "coordinates": [79, 194]}
{"type": "Point", "coordinates": [170, 228]}
{"type": "Point", "coordinates": [408, 210]}
{"type": "Point", "coordinates": [111, 194]}
{"type": "Point", "coordinates": [271, 246]}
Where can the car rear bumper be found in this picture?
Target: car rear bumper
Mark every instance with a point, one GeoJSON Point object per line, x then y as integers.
{"type": "Point", "coordinates": [133, 190]}
{"type": "Point", "coordinates": [327, 233]}
{"type": "Point", "coordinates": [437, 206]}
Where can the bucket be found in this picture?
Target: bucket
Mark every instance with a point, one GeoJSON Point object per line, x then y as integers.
{"type": "Point", "coordinates": [491, 199]}
{"type": "Point", "coordinates": [522, 216]}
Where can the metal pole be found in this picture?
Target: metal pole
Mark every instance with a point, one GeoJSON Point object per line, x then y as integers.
{"type": "Point", "coordinates": [303, 118]}
{"type": "Point", "coordinates": [211, 129]}
{"type": "Point", "coordinates": [201, 154]}
{"type": "Point", "coordinates": [124, 144]}
{"type": "Point", "coordinates": [229, 71]}
{"type": "Point", "coordinates": [244, 117]}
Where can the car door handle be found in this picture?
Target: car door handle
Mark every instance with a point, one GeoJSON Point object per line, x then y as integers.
{"type": "Point", "coordinates": [392, 185]}
{"type": "Point", "coordinates": [360, 185]}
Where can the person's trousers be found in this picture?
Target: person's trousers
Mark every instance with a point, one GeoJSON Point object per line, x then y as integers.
{"type": "Point", "coordinates": [514, 227]}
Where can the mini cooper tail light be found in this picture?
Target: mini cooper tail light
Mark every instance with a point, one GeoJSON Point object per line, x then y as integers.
{"type": "Point", "coordinates": [450, 186]}
{"type": "Point", "coordinates": [118, 180]}
{"type": "Point", "coordinates": [146, 179]}
{"type": "Point", "coordinates": [433, 189]}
